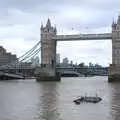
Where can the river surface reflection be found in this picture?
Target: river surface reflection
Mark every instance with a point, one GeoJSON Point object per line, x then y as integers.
{"type": "Point", "coordinates": [31, 100]}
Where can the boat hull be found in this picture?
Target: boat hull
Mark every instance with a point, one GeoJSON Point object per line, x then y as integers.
{"type": "Point", "coordinates": [88, 99]}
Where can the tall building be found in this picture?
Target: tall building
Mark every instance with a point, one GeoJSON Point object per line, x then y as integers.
{"type": "Point", "coordinates": [5, 57]}
{"type": "Point", "coordinates": [90, 64]}
{"type": "Point", "coordinates": [65, 61]}
{"type": "Point", "coordinates": [58, 59]}
{"type": "Point", "coordinates": [71, 62]}
{"type": "Point", "coordinates": [35, 61]}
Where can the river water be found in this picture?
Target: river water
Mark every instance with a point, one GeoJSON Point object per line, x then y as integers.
{"type": "Point", "coordinates": [31, 100]}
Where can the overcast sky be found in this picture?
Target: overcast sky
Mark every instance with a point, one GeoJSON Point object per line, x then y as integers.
{"type": "Point", "coordinates": [20, 22]}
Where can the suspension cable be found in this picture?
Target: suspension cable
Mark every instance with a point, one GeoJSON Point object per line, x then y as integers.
{"type": "Point", "coordinates": [33, 54]}
{"type": "Point", "coordinates": [30, 50]}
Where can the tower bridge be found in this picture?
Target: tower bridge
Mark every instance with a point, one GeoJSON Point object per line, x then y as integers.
{"type": "Point", "coordinates": [49, 40]}
{"type": "Point", "coordinates": [48, 44]}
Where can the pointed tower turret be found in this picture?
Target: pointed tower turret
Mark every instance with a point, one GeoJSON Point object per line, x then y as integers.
{"type": "Point", "coordinates": [55, 29]}
{"type": "Point", "coordinates": [118, 21]}
{"type": "Point", "coordinates": [48, 25]}
{"type": "Point", "coordinates": [113, 25]}
{"type": "Point", "coordinates": [41, 26]}
{"type": "Point", "coordinates": [113, 22]}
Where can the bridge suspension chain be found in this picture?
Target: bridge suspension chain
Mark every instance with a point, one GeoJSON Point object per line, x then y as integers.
{"type": "Point", "coordinates": [28, 52]}
{"type": "Point", "coordinates": [31, 55]}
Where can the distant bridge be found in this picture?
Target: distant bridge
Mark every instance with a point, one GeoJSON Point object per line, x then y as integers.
{"type": "Point", "coordinates": [84, 70]}
{"type": "Point", "coordinates": [70, 71]}
{"type": "Point", "coordinates": [77, 67]}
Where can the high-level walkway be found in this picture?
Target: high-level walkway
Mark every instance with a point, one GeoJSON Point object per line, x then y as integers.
{"type": "Point", "coordinates": [101, 36]}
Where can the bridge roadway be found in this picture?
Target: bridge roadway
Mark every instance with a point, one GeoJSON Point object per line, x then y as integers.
{"type": "Point", "coordinates": [101, 36]}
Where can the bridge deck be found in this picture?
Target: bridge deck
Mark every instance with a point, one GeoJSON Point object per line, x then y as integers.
{"type": "Point", "coordinates": [101, 36]}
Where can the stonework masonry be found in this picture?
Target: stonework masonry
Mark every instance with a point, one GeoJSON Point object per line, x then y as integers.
{"type": "Point", "coordinates": [48, 46]}
{"type": "Point", "coordinates": [48, 54]}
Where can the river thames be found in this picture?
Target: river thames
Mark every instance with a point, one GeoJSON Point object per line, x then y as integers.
{"type": "Point", "coordinates": [31, 100]}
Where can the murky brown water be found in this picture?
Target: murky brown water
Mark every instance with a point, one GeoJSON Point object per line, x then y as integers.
{"type": "Point", "coordinates": [29, 100]}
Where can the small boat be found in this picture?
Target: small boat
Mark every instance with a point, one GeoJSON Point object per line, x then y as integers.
{"type": "Point", "coordinates": [77, 101]}
{"type": "Point", "coordinates": [87, 99]}
{"type": "Point", "coordinates": [92, 99]}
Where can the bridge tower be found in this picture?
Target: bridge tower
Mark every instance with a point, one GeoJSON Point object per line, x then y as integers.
{"type": "Point", "coordinates": [114, 69]}
{"type": "Point", "coordinates": [48, 53]}
{"type": "Point", "coordinates": [48, 46]}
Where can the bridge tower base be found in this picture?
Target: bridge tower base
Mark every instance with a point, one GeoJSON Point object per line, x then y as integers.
{"type": "Point", "coordinates": [114, 73]}
{"type": "Point", "coordinates": [114, 68]}
{"type": "Point", "coordinates": [45, 74]}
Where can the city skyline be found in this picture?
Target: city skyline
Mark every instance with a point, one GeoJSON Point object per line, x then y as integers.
{"type": "Point", "coordinates": [67, 61]}
{"type": "Point", "coordinates": [19, 31]}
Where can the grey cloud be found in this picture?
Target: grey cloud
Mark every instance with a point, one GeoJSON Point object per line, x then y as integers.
{"type": "Point", "coordinates": [30, 4]}
{"type": "Point", "coordinates": [33, 9]}
{"type": "Point", "coordinates": [26, 32]}
{"type": "Point", "coordinates": [21, 4]}
{"type": "Point", "coordinates": [99, 20]}
{"type": "Point", "coordinates": [32, 39]}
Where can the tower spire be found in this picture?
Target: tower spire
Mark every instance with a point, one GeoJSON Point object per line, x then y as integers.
{"type": "Point", "coordinates": [41, 25]}
{"type": "Point", "coordinates": [55, 30]}
{"type": "Point", "coordinates": [48, 23]}
{"type": "Point", "coordinates": [113, 22]}
{"type": "Point", "coordinates": [118, 21]}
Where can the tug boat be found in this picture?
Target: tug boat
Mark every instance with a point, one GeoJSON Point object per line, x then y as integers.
{"type": "Point", "coordinates": [87, 99]}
